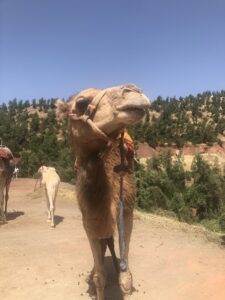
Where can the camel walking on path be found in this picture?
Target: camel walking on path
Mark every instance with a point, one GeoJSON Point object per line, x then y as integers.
{"type": "Point", "coordinates": [96, 120]}
{"type": "Point", "coordinates": [50, 180]}
{"type": "Point", "coordinates": [6, 173]}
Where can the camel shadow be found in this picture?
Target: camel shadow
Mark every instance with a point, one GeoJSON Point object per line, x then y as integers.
{"type": "Point", "coordinates": [14, 215]}
{"type": "Point", "coordinates": [11, 216]}
{"type": "Point", "coordinates": [58, 220]}
{"type": "Point", "coordinates": [112, 288]}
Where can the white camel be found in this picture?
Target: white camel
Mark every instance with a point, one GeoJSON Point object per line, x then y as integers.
{"type": "Point", "coordinates": [50, 180]}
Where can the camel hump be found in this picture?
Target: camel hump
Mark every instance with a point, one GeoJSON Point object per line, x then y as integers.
{"type": "Point", "coordinates": [5, 152]}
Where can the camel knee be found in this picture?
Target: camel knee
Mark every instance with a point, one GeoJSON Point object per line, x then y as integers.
{"type": "Point", "coordinates": [51, 208]}
{"type": "Point", "coordinates": [99, 280]}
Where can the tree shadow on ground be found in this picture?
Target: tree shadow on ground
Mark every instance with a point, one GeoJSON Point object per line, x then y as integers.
{"type": "Point", "coordinates": [58, 220]}
{"type": "Point", "coordinates": [112, 289]}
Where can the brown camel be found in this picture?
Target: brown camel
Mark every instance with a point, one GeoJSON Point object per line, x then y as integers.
{"type": "Point", "coordinates": [6, 173]}
{"type": "Point", "coordinates": [96, 119]}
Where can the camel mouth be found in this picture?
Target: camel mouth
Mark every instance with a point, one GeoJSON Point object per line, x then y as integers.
{"type": "Point", "coordinates": [133, 109]}
{"type": "Point", "coordinates": [136, 109]}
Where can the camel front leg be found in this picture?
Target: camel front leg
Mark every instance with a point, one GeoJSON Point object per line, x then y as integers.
{"type": "Point", "coordinates": [2, 215]}
{"type": "Point", "coordinates": [48, 207]}
{"type": "Point", "coordinates": [125, 278]}
{"type": "Point", "coordinates": [98, 250]}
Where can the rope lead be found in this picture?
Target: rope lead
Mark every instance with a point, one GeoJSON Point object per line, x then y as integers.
{"type": "Point", "coordinates": [121, 229]}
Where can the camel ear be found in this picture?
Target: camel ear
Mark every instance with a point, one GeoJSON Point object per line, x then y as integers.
{"type": "Point", "coordinates": [62, 108]}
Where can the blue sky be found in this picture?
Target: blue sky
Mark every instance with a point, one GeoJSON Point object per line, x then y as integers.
{"type": "Point", "coordinates": [54, 48]}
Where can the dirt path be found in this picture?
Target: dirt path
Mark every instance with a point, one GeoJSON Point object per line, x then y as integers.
{"type": "Point", "coordinates": [168, 261]}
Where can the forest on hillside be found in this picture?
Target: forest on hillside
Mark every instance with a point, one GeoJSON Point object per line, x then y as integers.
{"type": "Point", "coordinates": [33, 132]}
{"type": "Point", "coordinates": [196, 120]}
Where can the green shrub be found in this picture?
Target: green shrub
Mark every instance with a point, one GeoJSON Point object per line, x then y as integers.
{"type": "Point", "coordinates": [222, 221]}
{"type": "Point", "coordinates": [212, 224]}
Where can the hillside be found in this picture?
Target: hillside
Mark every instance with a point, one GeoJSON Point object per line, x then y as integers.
{"type": "Point", "coordinates": [211, 153]}
{"type": "Point", "coordinates": [35, 135]}
{"type": "Point", "coordinates": [184, 139]}
{"type": "Point", "coordinates": [195, 120]}
{"type": "Point", "coordinates": [172, 122]}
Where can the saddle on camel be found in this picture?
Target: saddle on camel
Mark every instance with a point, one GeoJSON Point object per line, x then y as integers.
{"type": "Point", "coordinates": [5, 153]}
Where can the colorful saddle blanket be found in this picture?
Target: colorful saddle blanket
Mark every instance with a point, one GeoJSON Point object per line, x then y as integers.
{"type": "Point", "coordinates": [5, 152]}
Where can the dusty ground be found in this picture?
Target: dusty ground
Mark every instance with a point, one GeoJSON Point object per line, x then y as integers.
{"type": "Point", "coordinates": [169, 261]}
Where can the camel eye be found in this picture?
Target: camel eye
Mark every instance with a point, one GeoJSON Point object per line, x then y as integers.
{"type": "Point", "coordinates": [82, 105]}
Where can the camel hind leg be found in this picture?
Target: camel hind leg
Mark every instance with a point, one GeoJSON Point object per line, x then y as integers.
{"type": "Point", "coordinates": [52, 212]}
{"type": "Point", "coordinates": [52, 193]}
{"type": "Point", "coordinates": [50, 198]}
{"type": "Point", "coordinates": [48, 206]}
{"type": "Point", "coordinates": [2, 214]}
{"type": "Point", "coordinates": [110, 243]}
{"type": "Point", "coordinates": [6, 197]}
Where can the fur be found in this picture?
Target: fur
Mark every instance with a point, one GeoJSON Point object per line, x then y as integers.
{"type": "Point", "coordinates": [98, 192]}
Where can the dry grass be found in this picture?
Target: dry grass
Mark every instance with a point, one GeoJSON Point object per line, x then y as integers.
{"type": "Point", "coordinates": [66, 192]}
{"type": "Point", "coordinates": [169, 223]}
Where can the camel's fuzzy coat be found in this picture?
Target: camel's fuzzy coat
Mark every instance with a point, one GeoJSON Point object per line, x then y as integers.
{"type": "Point", "coordinates": [95, 118]}
{"type": "Point", "coordinates": [98, 192]}
{"type": "Point", "coordinates": [50, 181]}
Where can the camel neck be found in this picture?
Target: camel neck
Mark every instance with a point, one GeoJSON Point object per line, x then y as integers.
{"type": "Point", "coordinates": [102, 158]}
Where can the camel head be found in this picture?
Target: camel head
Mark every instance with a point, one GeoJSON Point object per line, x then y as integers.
{"type": "Point", "coordinates": [44, 169]}
{"type": "Point", "coordinates": [95, 113]}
